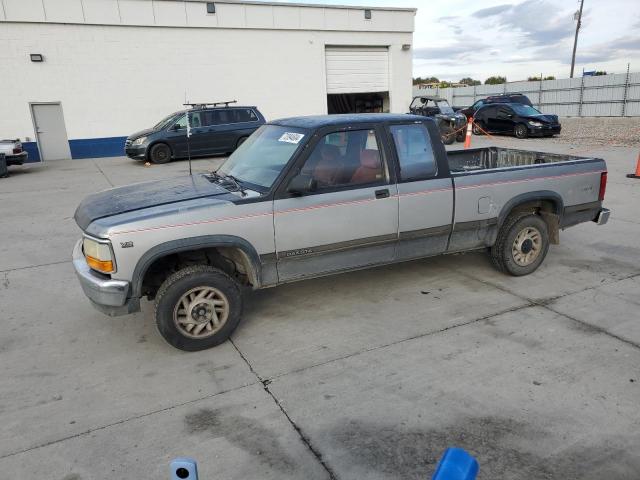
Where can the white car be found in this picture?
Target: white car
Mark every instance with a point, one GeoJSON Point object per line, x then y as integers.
{"type": "Point", "coordinates": [13, 152]}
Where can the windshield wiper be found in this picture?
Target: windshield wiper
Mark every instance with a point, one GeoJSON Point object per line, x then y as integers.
{"type": "Point", "coordinates": [229, 179]}
{"type": "Point", "coordinates": [237, 184]}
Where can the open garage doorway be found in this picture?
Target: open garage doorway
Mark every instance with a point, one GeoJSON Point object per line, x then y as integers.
{"type": "Point", "coordinates": [358, 102]}
{"type": "Point", "coordinates": [357, 79]}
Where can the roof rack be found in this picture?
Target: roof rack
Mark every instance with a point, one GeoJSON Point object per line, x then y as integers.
{"type": "Point", "coordinates": [211, 104]}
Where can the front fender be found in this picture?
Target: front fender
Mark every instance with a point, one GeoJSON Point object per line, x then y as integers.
{"type": "Point", "coordinates": [194, 243]}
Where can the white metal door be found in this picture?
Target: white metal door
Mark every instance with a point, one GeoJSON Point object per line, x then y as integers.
{"type": "Point", "coordinates": [51, 132]}
{"type": "Point", "coordinates": [357, 69]}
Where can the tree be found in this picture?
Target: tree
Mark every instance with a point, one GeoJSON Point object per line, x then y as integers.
{"type": "Point", "coordinates": [600, 72]}
{"type": "Point", "coordinates": [537, 79]}
{"type": "Point", "coordinates": [495, 80]}
{"type": "Point", "coordinates": [419, 80]}
{"type": "Point", "coordinates": [470, 81]}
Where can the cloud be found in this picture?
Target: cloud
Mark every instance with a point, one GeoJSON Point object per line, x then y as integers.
{"type": "Point", "coordinates": [491, 11]}
{"type": "Point", "coordinates": [447, 18]}
{"type": "Point", "coordinates": [539, 22]}
{"type": "Point", "coordinates": [452, 54]}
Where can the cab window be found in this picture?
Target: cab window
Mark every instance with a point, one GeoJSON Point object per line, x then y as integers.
{"type": "Point", "coordinates": [415, 153]}
{"type": "Point", "coordinates": [344, 159]}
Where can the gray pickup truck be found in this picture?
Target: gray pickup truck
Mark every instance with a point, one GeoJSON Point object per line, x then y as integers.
{"type": "Point", "coordinates": [311, 196]}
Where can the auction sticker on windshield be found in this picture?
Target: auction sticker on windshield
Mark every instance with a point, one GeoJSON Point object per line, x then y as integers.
{"type": "Point", "coordinates": [291, 137]}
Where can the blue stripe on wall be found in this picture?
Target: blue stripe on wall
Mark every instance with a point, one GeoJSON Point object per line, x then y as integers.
{"type": "Point", "coordinates": [32, 150]}
{"type": "Point", "coordinates": [97, 147]}
{"type": "Point", "coordinates": [84, 148]}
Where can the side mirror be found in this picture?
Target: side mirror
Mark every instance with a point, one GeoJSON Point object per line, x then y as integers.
{"type": "Point", "coordinates": [175, 127]}
{"type": "Point", "coordinates": [301, 184]}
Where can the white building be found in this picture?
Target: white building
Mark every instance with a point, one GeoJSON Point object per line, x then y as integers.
{"type": "Point", "coordinates": [112, 67]}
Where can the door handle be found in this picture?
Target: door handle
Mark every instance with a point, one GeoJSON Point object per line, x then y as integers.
{"type": "Point", "coordinates": [382, 193]}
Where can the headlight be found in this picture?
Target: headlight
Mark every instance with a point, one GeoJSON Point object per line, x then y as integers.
{"type": "Point", "coordinates": [139, 141]}
{"type": "Point", "coordinates": [535, 124]}
{"type": "Point", "coordinates": [98, 255]}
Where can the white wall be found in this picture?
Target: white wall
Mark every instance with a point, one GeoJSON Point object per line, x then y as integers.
{"type": "Point", "coordinates": [115, 79]}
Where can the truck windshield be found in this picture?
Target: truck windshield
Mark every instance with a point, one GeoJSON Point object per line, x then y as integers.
{"type": "Point", "coordinates": [445, 107]}
{"type": "Point", "coordinates": [261, 158]}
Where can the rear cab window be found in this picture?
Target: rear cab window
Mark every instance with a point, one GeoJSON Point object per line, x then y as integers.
{"type": "Point", "coordinates": [415, 152]}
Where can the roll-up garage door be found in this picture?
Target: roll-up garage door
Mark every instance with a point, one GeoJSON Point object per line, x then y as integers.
{"type": "Point", "coordinates": [357, 69]}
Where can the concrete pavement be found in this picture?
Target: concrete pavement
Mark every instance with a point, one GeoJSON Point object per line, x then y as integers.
{"type": "Point", "coordinates": [370, 374]}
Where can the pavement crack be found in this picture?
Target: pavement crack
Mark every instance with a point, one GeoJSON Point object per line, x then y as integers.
{"type": "Point", "coordinates": [120, 422]}
{"type": "Point", "coordinates": [103, 174]}
{"type": "Point", "coordinates": [408, 339]}
{"type": "Point", "coordinates": [34, 266]}
{"type": "Point", "coordinates": [305, 439]}
{"type": "Point", "coordinates": [545, 302]}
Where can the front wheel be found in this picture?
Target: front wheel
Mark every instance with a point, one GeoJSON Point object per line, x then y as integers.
{"type": "Point", "coordinates": [160, 153]}
{"type": "Point", "coordinates": [197, 307]}
{"type": "Point", "coordinates": [522, 244]}
{"type": "Point", "coordinates": [521, 131]}
{"type": "Point", "coordinates": [448, 135]}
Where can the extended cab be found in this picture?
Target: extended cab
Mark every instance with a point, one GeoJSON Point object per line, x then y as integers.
{"type": "Point", "coordinates": [311, 196]}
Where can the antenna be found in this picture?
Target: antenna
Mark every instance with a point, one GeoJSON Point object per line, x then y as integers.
{"type": "Point", "coordinates": [188, 143]}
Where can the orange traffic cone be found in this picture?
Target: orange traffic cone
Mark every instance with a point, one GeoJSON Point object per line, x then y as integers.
{"type": "Point", "coordinates": [637, 174]}
{"type": "Point", "coordinates": [467, 139]}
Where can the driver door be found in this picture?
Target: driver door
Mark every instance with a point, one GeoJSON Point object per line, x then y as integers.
{"type": "Point", "coordinates": [350, 220]}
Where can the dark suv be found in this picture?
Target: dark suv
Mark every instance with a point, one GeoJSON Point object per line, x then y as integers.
{"type": "Point", "coordinates": [516, 119]}
{"type": "Point", "coordinates": [501, 98]}
{"type": "Point", "coordinates": [214, 130]}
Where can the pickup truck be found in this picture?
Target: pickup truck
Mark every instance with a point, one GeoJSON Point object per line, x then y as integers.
{"type": "Point", "coordinates": [14, 154]}
{"type": "Point", "coordinates": [311, 196]}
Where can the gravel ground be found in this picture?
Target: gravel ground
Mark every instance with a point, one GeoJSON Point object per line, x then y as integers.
{"type": "Point", "coordinates": [600, 131]}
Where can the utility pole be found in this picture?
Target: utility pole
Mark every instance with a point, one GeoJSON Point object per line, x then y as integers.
{"type": "Point", "coordinates": [575, 40]}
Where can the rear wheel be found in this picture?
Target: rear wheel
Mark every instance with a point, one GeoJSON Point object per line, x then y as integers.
{"type": "Point", "coordinates": [448, 135]}
{"type": "Point", "coordinates": [521, 130]}
{"type": "Point", "coordinates": [522, 244]}
{"type": "Point", "coordinates": [197, 308]}
{"type": "Point", "coordinates": [160, 153]}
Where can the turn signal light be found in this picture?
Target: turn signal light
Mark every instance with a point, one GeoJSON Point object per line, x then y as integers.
{"type": "Point", "coordinates": [104, 266]}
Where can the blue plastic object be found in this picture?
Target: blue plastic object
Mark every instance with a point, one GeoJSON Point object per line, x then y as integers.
{"type": "Point", "coordinates": [456, 464]}
{"type": "Point", "coordinates": [184, 469]}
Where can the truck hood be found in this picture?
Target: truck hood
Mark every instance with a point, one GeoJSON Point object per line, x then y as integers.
{"type": "Point", "coordinates": [144, 195]}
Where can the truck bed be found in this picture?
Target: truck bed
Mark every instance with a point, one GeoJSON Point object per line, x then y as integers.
{"type": "Point", "coordinates": [494, 158]}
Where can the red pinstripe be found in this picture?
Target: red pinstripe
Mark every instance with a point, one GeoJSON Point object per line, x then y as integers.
{"type": "Point", "coordinates": [352, 202]}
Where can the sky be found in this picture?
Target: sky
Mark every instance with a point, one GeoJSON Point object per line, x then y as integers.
{"type": "Point", "coordinates": [518, 39]}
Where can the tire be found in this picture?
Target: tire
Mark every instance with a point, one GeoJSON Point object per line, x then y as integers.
{"type": "Point", "coordinates": [516, 240]}
{"type": "Point", "coordinates": [240, 141]}
{"type": "Point", "coordinates": [521, 130]}
{"type": "Point", "coordinates": [460, 136]}
{"type": "Point", "coordinates": [448, 135]}
{"type": "Point", "coordinates": [198, 329]}
{"type": "Point", "coordinates": [160, 153]}
{"type": "Point", "coordinates": [476, 130]}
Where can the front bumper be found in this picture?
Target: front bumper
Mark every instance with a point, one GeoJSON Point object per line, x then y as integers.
{"type": "Point", "coordinates": [545, 130]}
{"type": "Point", "coordinates": [106, 294]}
{"type": "Point", "coordinates": [138, 152]}
{"type": "Point", "coordinates": [603, 216]}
